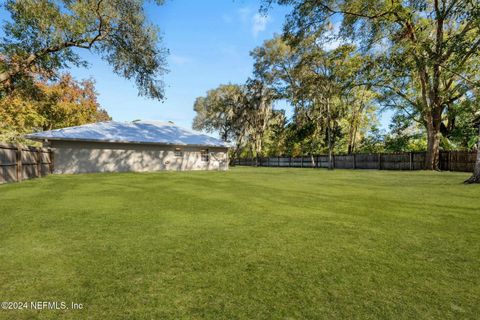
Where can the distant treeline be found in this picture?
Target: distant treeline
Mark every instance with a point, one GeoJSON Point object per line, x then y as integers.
{"type": "Point", "coordinates": [338, 64]}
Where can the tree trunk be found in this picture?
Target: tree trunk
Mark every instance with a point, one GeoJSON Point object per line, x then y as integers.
{"type": "Point", "coordinates": [475, 178]}
{"type": "Point", "coordinates": [432, 158]}
{"type": "Point", "coordinates": [330, 159]}
{"type": "Point", "coordinates": [350, 148]}
{"type": "Point", "coordinates": [258, 149]}
{"type": "Point", "coordinates": [352, 132]}
{"type": "Point", "coordinates": [352, 141]}
{"type": "Point", "coordinates": [329, 138]}
{"type": "Point", "coordinates": [235, 155]}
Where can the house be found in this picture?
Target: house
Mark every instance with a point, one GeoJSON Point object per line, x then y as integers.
{"type": "Point", "coordinates": [132, 146]}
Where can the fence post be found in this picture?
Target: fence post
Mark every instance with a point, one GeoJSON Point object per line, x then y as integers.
{"type": "Point", "coordinates": [301, 162]}
{"type": "Point", "coordinates": [39, 162]}
{"type": "Point", "coordinates": [449, 161]}
{"type": "Point", "coordinates": [19, 164]}
{"type": "Point", "coordinates": [51, 158]}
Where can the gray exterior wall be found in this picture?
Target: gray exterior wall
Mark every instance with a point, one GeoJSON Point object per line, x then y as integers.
{"type": "Point", "coordinates": [84, 157]}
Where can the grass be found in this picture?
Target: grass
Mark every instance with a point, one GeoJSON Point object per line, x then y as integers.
{"type": "Point", "coordinates": [251, 243]}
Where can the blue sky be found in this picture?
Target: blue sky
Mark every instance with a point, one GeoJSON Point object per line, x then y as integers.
{"type": "Point", "coordinates": [209, 44]}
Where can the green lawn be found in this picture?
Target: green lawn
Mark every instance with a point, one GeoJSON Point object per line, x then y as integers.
{"type": "Point", "coordinates": [250, 243]}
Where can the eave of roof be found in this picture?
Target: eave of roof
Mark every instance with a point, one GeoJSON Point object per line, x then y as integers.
{"type": "Point", "coordinates": [127, 142]}
{"type": "Point", "coordinates": [136, 132]}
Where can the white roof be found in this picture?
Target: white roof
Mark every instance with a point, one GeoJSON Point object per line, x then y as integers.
{"type": "Point", "coordinates": [151, 132]}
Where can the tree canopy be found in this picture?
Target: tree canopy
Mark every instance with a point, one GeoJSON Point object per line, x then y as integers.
{"type": "Point", "coordinates": [424, 54]}
{"type": "Point", "coordinates": [331, 109]}
{"type": "Point", "coordinates": [49, 105]}
{"type": "Point", "coordinates": [44, 36]}
{"type": "Point", "coordinates": [339, 62]}
{"type": "Point", "coordinates": [240, 114]}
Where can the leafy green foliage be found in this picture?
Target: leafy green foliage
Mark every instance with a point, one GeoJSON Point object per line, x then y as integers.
{"type": "Point", "coordinates": [42, 37]}
{"type": "Point", "coordinates": [332, 107]}
{"type": "Point", "coordinates": [374, 141]}
{"type": "Point", "coordinates": [405, 135]}
{"type": "Point", "coordinates": [242, 114]}
{"type": "Point", "coordinates": [49, 105]}
{"type": "Point", "coordinates": [424, 55]}
{"type": "Point", "coordinates": [221, 110]}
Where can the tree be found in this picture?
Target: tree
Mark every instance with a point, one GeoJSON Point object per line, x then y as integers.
{"type": "Point", "coordinates": [42, 37]}
{"type": "Point", "coordinates": [276, 137]}
{"type": "Point", "coordinates": [67, 103]}
{"type": "Point", "coordinates": [328, 88]}
{"type": "Point", "coordinates": [373, 141]}
{"type": "Point", "coordinates": [426, 52]}
{"type": "Point", "coordinates": [320, 91]}
{"type": "Point", "coordinates": [274, 64]}
{"type": "Point", "coordinates": [475, 178]}
{"type": "Point", "coordinates": [405, 135]}
{"type": "Point", "coordinates": [330, 100]}
{"type": "Point", "coordinates": [222, 111]}
{"type": "Point", "coordinates": [241, 114]}
{"type": "Point", "coordinates": [461, 123]}
{"type": "Point", "coordinates": [258, 113]}
{"type": "Point", "coordinates": [360, 114]}
{"type": "Point", "coordinates": [49, 105]}
{"type": "Point", "coordinates": [17, 117]}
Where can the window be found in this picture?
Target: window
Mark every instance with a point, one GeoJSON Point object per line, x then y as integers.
{"type": "Point", "coordinates": [204, 155]}
{"type": "Point", "coordinates": [178, 153]}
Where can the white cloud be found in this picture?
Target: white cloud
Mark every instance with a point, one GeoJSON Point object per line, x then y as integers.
{"type": "Point", "coordinates": [331, 38]}
{"type": "Point", "coordinates": [252, 19]}
{"type": "Point", "coordinates": [259, 23]}
{"type": "Point", "coordinates": [179, 60]}
{"type": "Point", "coordinates": [244, 14]}
{"type": "Point", "coordinates": [332, 44]}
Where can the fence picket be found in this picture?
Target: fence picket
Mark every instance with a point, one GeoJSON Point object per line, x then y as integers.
{"type": "Point", "coordinates": [18, 162]}
{"type": "Point", "coordinates": [463, 161]}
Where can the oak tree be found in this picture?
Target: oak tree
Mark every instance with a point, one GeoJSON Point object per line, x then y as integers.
{"type": "Point", "coordinates": [45, 36]}
{"type": "Point", "coordinates": [426, 52]}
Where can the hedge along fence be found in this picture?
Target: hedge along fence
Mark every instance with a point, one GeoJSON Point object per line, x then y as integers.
{"type": "Point", "coordinates": [463, 161]}
{"type": "Point", "coordinates": [19, 162]}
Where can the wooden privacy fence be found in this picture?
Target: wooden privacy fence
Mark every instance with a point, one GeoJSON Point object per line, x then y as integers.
{"type": "Point", "coordinates": [19, 162]}
{"type": "Point", "coordinates": [449, 160]}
